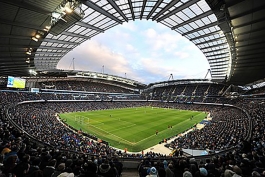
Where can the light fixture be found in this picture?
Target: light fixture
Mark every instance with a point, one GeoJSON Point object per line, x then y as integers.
{"type": "Point", "coordinates": [37, 36]}
{"type": "Point", "coordinates": [56, 15]}
{"type": "Point", "coordinates": [68, 8]}
{"type": "Point", "coordinates": [47, 28]}
{"type": "Point", "coordinates": [29, 51]}
{"type": "Point", "coordinates": [222, 7]}
{"type": "Point", "coordinates": [33, 72]}
{"type": "Point", "coordinates": [34, 39]}
{"type": "Point", "coordinates": [28, 60]}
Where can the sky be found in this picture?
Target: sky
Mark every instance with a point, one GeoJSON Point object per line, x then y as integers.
{"type": "Point", "coordinates": [145, 51]}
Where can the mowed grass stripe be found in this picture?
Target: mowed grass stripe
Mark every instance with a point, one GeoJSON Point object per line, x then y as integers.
{"type": "Point", "coordinates": [134, 128]}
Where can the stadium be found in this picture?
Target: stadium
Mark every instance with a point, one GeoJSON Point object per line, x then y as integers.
{"type": "Point", "coordinates": [58, 122]}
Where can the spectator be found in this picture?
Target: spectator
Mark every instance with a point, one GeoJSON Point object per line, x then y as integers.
{"type": "Point", "coordinates": [50, 168]}
{"type": "Point", "coordinates": [152, 172]}
{"type": "Point", "coordinates": [106, 170]}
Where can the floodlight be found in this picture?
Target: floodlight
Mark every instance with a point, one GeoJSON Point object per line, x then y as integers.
{"type": "Point", "coordinates": [34, 39]}
{"type": "Point", "coordinates": [68, 8]}
{"type": "Point", "coordinates": [28, 60]}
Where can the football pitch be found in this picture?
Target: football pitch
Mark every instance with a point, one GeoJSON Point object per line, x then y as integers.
{"type": "Point", "coordinates": [133, 128]}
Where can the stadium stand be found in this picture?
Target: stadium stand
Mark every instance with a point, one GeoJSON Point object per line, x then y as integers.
{"type": "Point", "coordinates": [83, 86]}
{"type": "Point", "coordinates": [35, 35]}
{"type": "Point", "coordinates": [229, 128]}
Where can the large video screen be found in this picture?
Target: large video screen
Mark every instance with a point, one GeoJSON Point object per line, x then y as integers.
{"type": "Point", "coordinates": [16, 82]}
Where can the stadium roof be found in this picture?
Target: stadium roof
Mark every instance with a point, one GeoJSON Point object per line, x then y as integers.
{"type": "Point", "coordinates": [35, 34]}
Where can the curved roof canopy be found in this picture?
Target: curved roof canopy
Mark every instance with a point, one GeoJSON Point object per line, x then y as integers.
{"type": "Point", "coordinates": [36, 34]}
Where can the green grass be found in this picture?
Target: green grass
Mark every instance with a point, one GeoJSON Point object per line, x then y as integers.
{"type": "Point", "coordinates": [133, 128]}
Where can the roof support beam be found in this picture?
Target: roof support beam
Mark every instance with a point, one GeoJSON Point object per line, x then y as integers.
{"type": "Point", "coordinates": [218, 58]}
{"type": "Point", "coordinates": [205, 14]}
{"type": "Point", "coordinates": [219, 66]}
{"type": "Point", "coordinates": [212, 40]}
{"type": "Point", "coordinates": [171, 4]}
{"type": "Point", "coordinates": [154, 9]}
{"type": "Point", "coordinates": [205, 35]}
{"type": "Point", "coordinates": [218, 75]}
{"type": "Point", "coordinates": [218, 54]}
{"type": "Point", "coordinates": [142, 11]}
{"type": "Point", "coordinates": [201, 28]}
{"type": "Point", "coordinates": [131, 8]}
{"type": "Point", "coordinates": [46, 57]}
{"type": "Point", "coordinates": [219, 71]}
{"type": "Point", "coordinates": [212, 46]}
{"type": "Point", "coordinates": [54, 48]}
{"type": "Point", "coordinates": [48, 53]}
{"type": "Point", "coordinates": [211, 58]}
{"type": "Point", "coordinates": [80, 23]}
{"type": "Point", "coordinates": [215, 50]}
{"type": "Point", "coordinates": [116, 7]}
{"type": "Point", "coordinates": [94, 6]}
{"type": "Point", "coordinates": [218, 62]}
{"type": "Point", "coordinates": [75, 35]}
{"type": "Point", "coordinates": [60, 41]}
{"type": "Point", "coordinates": [213, 64]}
{"type": "Point", "coordinates": [178, 9]}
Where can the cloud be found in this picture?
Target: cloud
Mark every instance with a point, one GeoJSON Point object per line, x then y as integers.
{"type": "Point", "coordinates": [131, 49]}
{"type": "Point", "coordinates": [181, 55]}
{"type": "Point", "coordinates": [129, 26]}
{"type": "Point", "coordinates": [146, 51]}
{"type": "Point", "coordinates": [164, 41]}
{"type": "Point", "coordinates": [92, 56]}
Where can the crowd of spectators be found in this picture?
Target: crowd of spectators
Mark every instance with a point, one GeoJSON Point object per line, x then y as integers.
{"type": "Point", "coordinates": [188, 92]}
{"type": "Point", "coordinates": [229, 127]}
{"type": "Point", "coordinates": [20, 158]}
{"type": "Point", "coordinates": [39, 119]}
{"type": "Point", "coordinates": [84, 86]}
{"type": "Point", "coordinates": [236, 164]}
{"type": "Point", "coordinates": [246, 160]}
{"type": "Point", "coordinates": [260, 90]}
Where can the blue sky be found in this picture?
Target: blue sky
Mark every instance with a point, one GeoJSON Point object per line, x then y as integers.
{"type": "Point", "coordinates": [146, 51]}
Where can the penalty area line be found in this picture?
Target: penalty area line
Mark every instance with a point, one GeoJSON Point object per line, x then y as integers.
{"type": "Point", "coordinates": [122, 128]}
{"type": "Point", "coordinates": [112, 134]}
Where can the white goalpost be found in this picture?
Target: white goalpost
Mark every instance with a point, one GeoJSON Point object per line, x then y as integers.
{"type": "Point", "coordinates": [80, 119]}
